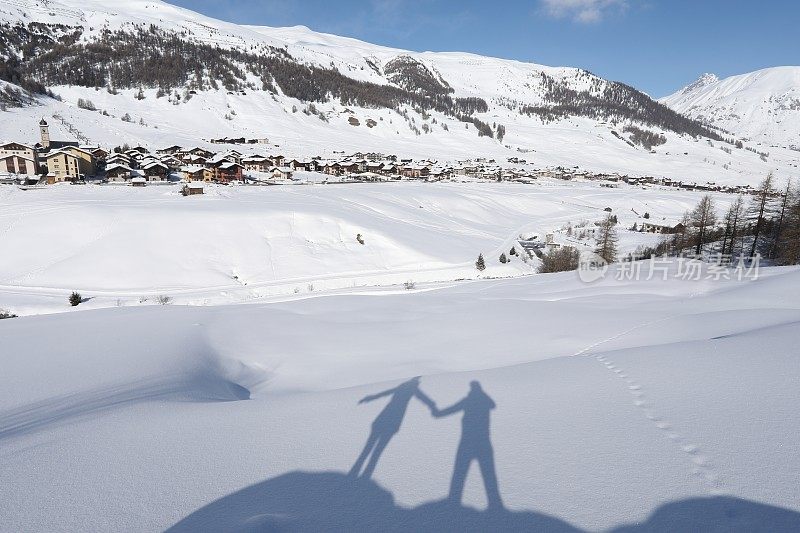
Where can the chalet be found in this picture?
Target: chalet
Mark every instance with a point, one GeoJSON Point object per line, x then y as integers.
{"type": "Point", "coordinates": [155, 171]}
{"type": "Point", "coordinates": [227, 172]}
{"type": "Point", "coordinates": [332, 169]}
{"type": "Point", "coordinates": [98, 153]}
{"type": "Point", "coordinates": [191, 159]}
{"type": "Point", "coordinates": [169, 150]}
{"type": "Point", "coordinates": [256, 163]}
{"type": "Point", "coordinates": [349, 167]}
{"type": "Point", "coordinates": [192, 189]}
{"type": "Point", "coordinates": [116, 172]}
{"type": "Point", "coordinates": [374, 166]}
{"type": "Point", "coordinates": [277, 160]}
{"type": "Point", "coordinates": [18, 164]}
{"type": "Point", "coordinates": [281, 172]}
{"type": "Point", "coordinates": [200, 151]}
{"type": "Point", "coordinates": [194, 173]}
{"type": "Point", "coordinates": [118, 158]}
{"type": "Point", "coordinates": [415, 171]}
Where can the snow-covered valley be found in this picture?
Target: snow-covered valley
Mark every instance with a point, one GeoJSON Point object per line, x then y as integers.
{"type": "Point", "coordinates": [297, 284]}
{"type": "Point", "coordinates": [128, 246]}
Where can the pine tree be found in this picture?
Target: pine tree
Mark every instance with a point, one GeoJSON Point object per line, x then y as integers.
{"type": "Point", "coordinates": [75, 299]}
{"type": "Point", "coordinates": [480, 264]}
{"type": "Point", "coordinates": [503, 259]}
{"type": "Point", "coordinates": [607, 240]}
{"type": "Point", "coordinates": [513, 251]}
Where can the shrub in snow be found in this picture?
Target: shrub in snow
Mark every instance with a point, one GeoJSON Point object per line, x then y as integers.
{"type": "Point", "coordinates": [164, 300]}
{"type": "Point", "coordinates": [126, 118]}
{"type": "Point", "coordinates": [6, 314]}
{"type": "Point", "coordinates": [360, 238]}
{"type": "Point", "coordinates": [75, 298]}
{"type": "Point", "coordinates": [559, 260]}
{"type": "Point", "coordinates": [86, 104]}
{"type": "Point", "coordinates": [480, 264]}
{"type": "Point", "coordinates": [409, 285]}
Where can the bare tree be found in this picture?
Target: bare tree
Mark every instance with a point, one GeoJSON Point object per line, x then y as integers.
{"type": "Point", "coordinates": [760, 208]}
{"type": "Point", "coordinates": [703, 218]}
{"type": "Point", "coordinates": [559, 260]}
{"type": "Point", "coordinates": [733, 222]}
{"type": "Point", "coordinates": [778, 226]}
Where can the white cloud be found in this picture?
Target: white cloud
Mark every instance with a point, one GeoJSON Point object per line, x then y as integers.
{"type": "Point", "coordinates": [585, 11]}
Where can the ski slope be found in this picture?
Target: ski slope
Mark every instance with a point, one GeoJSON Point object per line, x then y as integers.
{"type": "Point", "coordinates": [621, 405]}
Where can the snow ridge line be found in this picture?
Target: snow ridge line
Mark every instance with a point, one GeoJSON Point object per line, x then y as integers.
{"type": "Point", "coordinates": [701, 464]}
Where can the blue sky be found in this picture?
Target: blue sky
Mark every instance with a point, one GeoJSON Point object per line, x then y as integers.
{"type": "Point", "coordinates": [657, 46]}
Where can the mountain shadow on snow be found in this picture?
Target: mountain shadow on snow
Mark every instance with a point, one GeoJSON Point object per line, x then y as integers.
{"type": "Point", "coordinates": [336, 502]}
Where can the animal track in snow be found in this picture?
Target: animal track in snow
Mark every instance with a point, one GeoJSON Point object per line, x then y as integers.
{"type": "Point", "coordinates": [701, 465]}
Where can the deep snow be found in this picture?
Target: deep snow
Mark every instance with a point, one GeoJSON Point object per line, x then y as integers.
{"type": "Point", "coordinates": [127, 246]}
{"type": "Point", "coordinates": [668, 404]}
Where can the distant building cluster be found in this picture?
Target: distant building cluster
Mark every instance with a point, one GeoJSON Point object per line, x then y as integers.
{"type": "Point", "coordinates": [49, 162]}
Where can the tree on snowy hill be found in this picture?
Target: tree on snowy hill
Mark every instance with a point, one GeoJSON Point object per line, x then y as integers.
{"type": "Point", "coordinates": [607, 239]}
{"type": "Point", "coordinates": [760, 210]}
{"type": "Point", "coordinates": [789, 249]}
{"type": "Point", "coordinates": [779, 222]}
{"type": "Point", "coordinates": [703, 218]}
{"type": "Point", "coordinates": [503, 258]}
{"type": "Point", "coordinates": [480, 264]}
{"type": "Point", "coordinates": [734, 220]}
{"type": "Point", "coordinates": [561, 259]}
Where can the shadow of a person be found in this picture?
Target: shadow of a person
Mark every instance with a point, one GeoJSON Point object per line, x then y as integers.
{"type": "Point", "coordinates": [387, 423]}
{"type": "Point", "coordinates": [475, 445]}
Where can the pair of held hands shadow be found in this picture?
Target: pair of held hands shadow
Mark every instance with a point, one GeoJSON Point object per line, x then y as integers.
{"type": "Point", "coordinates": [475, 443]}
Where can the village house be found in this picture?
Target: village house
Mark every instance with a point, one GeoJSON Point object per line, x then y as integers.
{"type": "Point", "coordinates": [227, 172]}
{"type": "Point", "coordinates": [155, 171]}
{"type": "Point", "coordinates": [415, 171]}
{"type": "Point", "coordinates": [281, 172]}
{"type": "Point", "coordinates": [19, 149]}
{"type": "Point", "coordinates": [195, 173]}
{"type": "Point", "coordinates": [169, 150]}
{"type": "Point", "coordinates": [192, 189]}
{"type": "Point", "coordinates": [17, 164]}
{"type": "Point", "coordinates": [116, 173]}
{"type": "Point", "coordinates": [69, 163]}
{"type": "Point", "coordinates": [256, 163]}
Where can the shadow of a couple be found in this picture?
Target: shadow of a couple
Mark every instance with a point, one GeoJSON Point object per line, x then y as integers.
{"type": "Point", "coordinates": [475, 443]}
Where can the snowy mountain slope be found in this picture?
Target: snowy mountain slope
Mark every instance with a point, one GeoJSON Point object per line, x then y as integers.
{"type": "Point", "coordinates": [761, 106]}
{"type": "Point", "coordinates": [551, 115]}
{"type": "Point", "coordinates": [639, 405]}
{"type": "Point", "coordinates": [119, 245]}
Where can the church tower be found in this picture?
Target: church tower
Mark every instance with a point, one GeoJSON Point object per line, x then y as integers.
{"type": "Point", "coordinates": [44, 129]}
